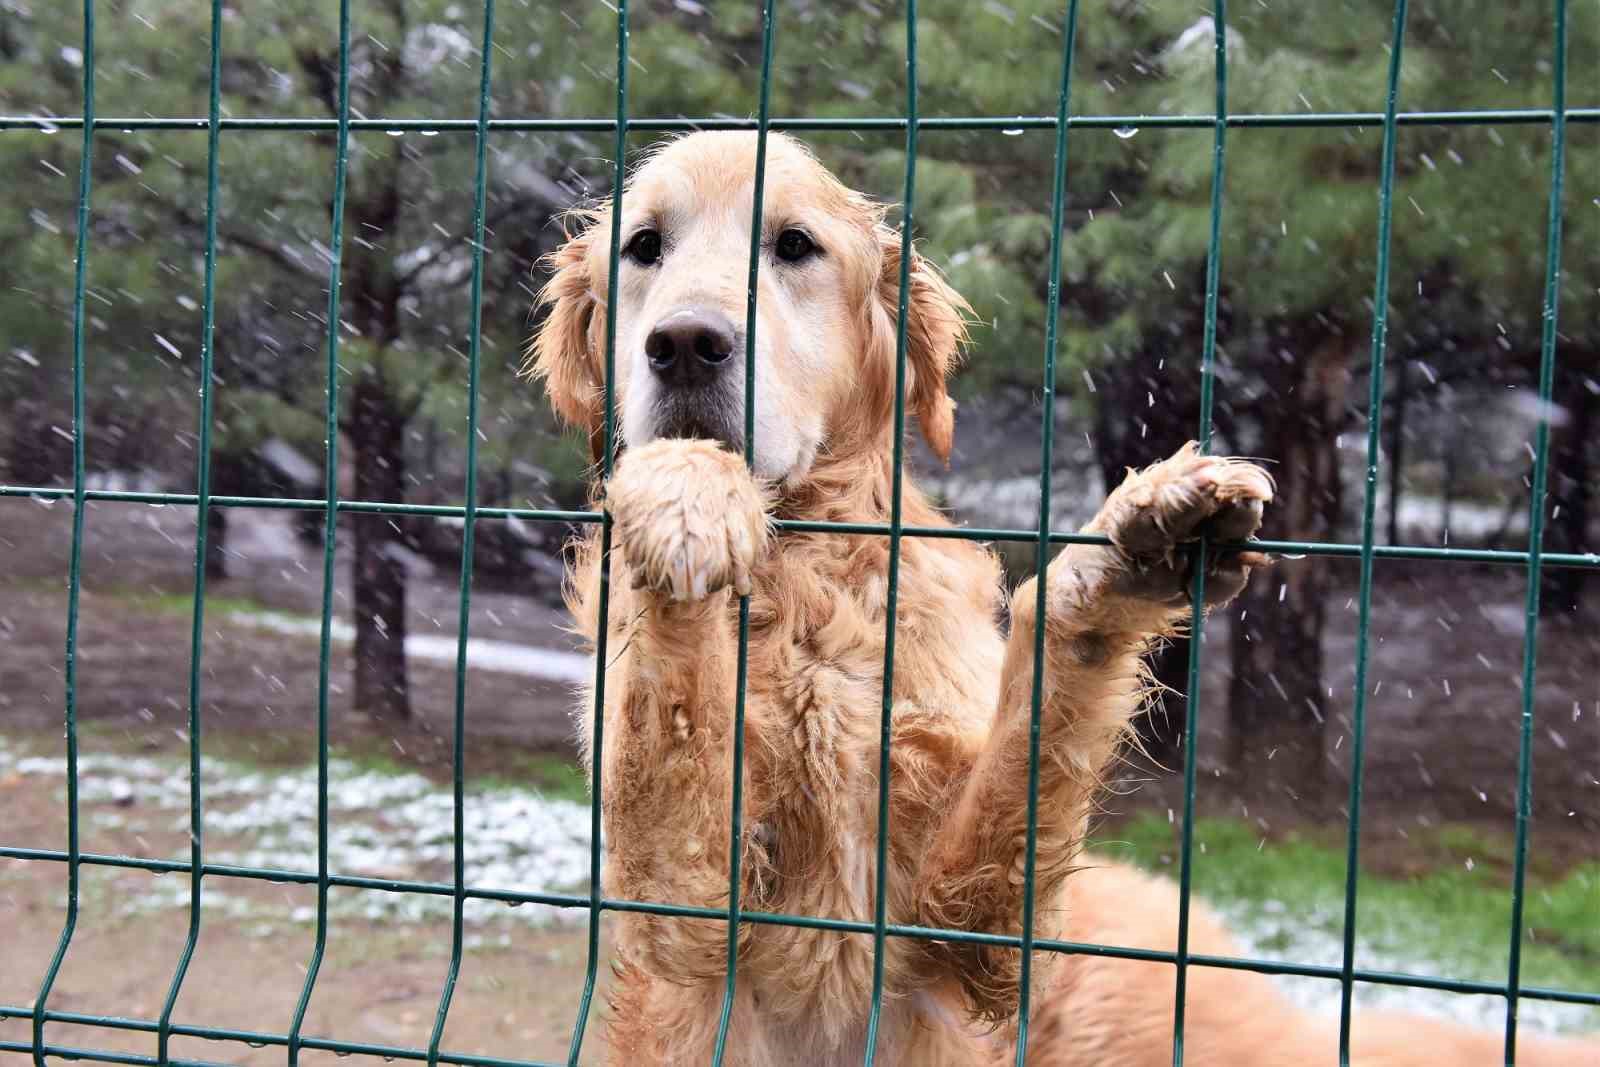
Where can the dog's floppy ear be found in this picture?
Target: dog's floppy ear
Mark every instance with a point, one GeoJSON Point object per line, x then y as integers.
{"type": "Point", "coordinates": [936, 330]}
{"type": "Point", "coordinates": [562, 352]}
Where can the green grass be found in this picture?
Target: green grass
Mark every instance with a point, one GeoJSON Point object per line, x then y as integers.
{"type": "Point", "coordinates": [183, 603]}
{"type": "Point", "coordinates": [1452, 917]}
{"type": "Point", "coordinates": [554, 776]}
{"type": "Point", "coordinates": [546, 773]}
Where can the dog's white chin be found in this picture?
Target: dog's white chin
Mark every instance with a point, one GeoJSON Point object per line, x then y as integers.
{"type": "Point", "coordinates": [785, 453]}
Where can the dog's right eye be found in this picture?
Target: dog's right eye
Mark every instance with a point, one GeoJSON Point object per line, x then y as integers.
{"type": "Point", "coordinates": [644, 248]}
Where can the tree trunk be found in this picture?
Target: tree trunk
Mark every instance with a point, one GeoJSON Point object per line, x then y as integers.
{"type": "Point", "coordinates": [377, 432]}
{"type": "Point", "coordinates": [1569, 506]}
{"type": "Point", "coordinates": [1277, 699]}
{"type": "Point", "coordinates": [216, 543]}
{"type": "Point", "coordinates": [35, 455]}
{"type": "Point", "coordinates": [1397, 448]}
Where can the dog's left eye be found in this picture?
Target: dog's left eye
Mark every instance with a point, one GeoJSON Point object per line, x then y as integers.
{"type": "Point", "coordinates": [645, 248]}
{"type": "Point", "coordinates": [794, 245]}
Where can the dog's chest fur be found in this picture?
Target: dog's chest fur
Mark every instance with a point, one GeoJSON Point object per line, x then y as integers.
{"type": "Point", "coordinates": [812, 747]}
{"type": "Point", "coordinates": [813, 712]}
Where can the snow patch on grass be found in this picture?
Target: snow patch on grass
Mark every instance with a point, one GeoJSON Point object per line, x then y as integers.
{"type": "Point", "coordinates": [502, 657]}
{"type": "Point", "coordinates": [381, 824]}
{"type": "Point", "coordinates": [1311, 933]}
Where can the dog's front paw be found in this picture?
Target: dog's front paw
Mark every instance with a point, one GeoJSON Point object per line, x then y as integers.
{"type": "Point", "coordinates": [689, 516]}
{"type": "Point", "coordinates": [1175, 501]}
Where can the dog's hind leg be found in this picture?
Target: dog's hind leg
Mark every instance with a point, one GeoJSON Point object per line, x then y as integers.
{"type": "Point", "coordinates": [1104, 604]}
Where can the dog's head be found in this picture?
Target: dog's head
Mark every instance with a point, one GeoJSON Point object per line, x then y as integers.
{"type": "Point", "coordinates": [826, 310]}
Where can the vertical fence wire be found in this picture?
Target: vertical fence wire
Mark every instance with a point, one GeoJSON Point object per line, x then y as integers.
{"type": "Point", "coordinates": [1369, 504]}
{"type": "Point", "coordinates": [330, 519]}
{"type": "Point", "coordinates": [1536, 512]}
{"type": "Point", "coordinates": [202, 520]}
{"type": "Point", "coordinates": [1197, 590]}
{"type": "Point", "coordinates": [468, 538]}
{"type": "Point", "coordinates": [880, 904]}
{"type": "Point", "coordinates": [75, 562]}
{"type": "Point", "coordinates": [607, 460]}
{"type": "Point", "coordinates": [1041, 559]}
{"type": "Point", "coordinates": [742, 670]}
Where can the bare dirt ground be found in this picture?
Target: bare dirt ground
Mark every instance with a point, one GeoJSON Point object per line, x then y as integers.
{"type": "Point", "coordinates": [380, 982]}
{"type": "Point", "coordinates": [1441, 746]}
{"type": "Point", "coordinates": [259, 687]}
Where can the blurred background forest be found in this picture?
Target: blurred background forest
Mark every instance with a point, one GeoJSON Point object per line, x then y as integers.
{"type": "Point", "coordinates": [1299, 239]}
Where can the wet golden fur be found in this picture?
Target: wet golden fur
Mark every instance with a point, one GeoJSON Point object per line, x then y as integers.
{"type": "Point", "coordinates": [691, 527]}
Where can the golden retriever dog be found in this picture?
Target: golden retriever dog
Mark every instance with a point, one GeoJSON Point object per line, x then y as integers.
{"type": "Point", "coordinates": [693, 528]}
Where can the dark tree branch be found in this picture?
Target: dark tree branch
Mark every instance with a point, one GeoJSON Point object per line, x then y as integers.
{"type": "Point", "coordinates": [324, 79]}
{"type": "Point", "coordinates": [505, 211]}
{"type": "Point", "coordinates": [270, 252]}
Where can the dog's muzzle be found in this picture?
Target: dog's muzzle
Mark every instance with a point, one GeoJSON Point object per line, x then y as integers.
{"type": "Point", "coordinates": [692, 356]}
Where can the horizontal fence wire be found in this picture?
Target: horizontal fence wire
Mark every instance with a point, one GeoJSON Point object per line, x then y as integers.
{"type": "Point", "coordinates": [50, 494]}
{"type": "Point", "coordinates": [575, 900]}
{"type": "Point", "coordinates": [1314, 120]}
{"type": "Point", "coordinates": [1510, 557]}
{"type": "Point", "coordinates": [1534, 559]}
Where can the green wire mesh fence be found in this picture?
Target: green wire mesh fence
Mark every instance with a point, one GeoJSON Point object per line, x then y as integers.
{"type": "Point", "coordinates": [294, 1039]}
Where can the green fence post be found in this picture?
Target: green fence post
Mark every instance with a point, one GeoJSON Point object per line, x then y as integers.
{"type": "Point", "coordinates": [886, 713]}
{"type": "Point", "coordinates": [607, 460]}
{"type": "Point", "coordinates": [202, 519]}
{"type": "Point", "coordinates": [468, 536]}
{"type": "Point", "coordinates": [75, 564]}
{"type": "Point", "coordinates": [1041, 558]}
{"type": "Point", "coordinates": [330, 519]}
{"type": "Point", "coordinates": [1380, 328]}
{"type": "Point", "coordinates": [736, 816]}
{"type": "Point", "coordinates": [1197, 591]}
{"type": "Point", "coordinates": [1536, 511]}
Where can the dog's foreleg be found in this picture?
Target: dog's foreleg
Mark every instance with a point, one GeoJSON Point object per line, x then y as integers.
{"type": "Point", "coordinates": [689, 521]}
{"type": "Point", "coordinates": [1104, 605]}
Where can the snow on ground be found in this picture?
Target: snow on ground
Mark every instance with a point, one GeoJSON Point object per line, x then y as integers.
{"type": "Point", "coordinates": [381, 824]}
{"type": "Point", "coordinates": [503, 657]}
{"type": "Point", "coordinates": [389, 824]}
{"type": "Point", "coordinates": [1312, 933]}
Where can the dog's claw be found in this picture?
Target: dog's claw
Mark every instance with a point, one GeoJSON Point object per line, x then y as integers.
{"type": "Point", "coordinates": [1178, 501]}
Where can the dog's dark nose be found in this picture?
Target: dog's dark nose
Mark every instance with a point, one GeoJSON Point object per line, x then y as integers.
{"type": "Point", "coordinates": [687, 347]}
